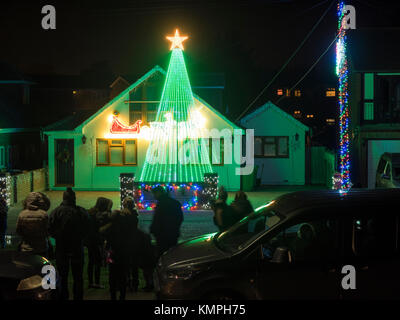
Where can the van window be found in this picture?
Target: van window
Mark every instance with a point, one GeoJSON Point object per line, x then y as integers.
{"type": "Point", "coordinates": [376, 236]}
{"type": "Point", "coordinates": [307, 241]}
{"type": "Point", "coordinates": [381, 166]}
{"type": "Point", "coordinates": [388, 170]}
{"type": "Point", "coordinates": [248, 229]}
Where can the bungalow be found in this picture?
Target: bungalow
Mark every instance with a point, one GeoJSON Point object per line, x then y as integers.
{"type": "Point", "coordinates": [279, 145]}
{"type": "Point", "coordinates": [85, 152]}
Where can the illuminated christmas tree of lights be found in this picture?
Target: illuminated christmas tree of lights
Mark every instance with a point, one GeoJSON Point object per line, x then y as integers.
{"type": "Point", "coordinates": [177, 124]}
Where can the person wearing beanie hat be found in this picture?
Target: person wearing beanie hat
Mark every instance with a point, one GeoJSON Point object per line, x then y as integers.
{"type": "Point", "coordinates": [69, 196]}
{"type": "Point", "coordinates": [32, 224]}
{"type": "Point", "coordinates": [223, 214]}
{"type": "Point", "coordinates": [69, 225]}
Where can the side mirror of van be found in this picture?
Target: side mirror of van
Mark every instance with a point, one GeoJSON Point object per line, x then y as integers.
{"type": "Point", "coordinates": [281, 255]}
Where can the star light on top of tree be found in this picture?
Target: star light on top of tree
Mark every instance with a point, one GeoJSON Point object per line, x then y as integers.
{"type": "Point", "coordinates": [177, 40]}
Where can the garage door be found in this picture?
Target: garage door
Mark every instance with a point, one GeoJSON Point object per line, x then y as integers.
{"type": "Point", "coordinates": [375, 149]}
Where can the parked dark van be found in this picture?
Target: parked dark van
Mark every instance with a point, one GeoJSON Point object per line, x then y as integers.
{"type": "Point", "coordinates": [294, 247]}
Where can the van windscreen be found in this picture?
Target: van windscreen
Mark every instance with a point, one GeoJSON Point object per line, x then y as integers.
{"type": "Point", "coordinates": [247, 229]}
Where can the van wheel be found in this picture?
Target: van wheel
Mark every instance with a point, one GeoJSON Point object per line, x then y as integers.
{"type": "Point", "coordinates": [222, 295]}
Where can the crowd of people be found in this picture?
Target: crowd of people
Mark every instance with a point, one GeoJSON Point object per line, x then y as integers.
{"type": "Point", "coordinates": [226, 215]}
{"type": "Point", "coordinates": [112, 237]}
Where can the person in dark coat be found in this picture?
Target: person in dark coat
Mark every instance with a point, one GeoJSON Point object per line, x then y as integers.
{"type": "Point", "coordinates": [224, 217]}
{"type": "Point", "coordinates": [3, 222]}
{"type": "Point", "coordinates": [143, 254]}
{"type": "Point", "coordinates": [118, 234]}
{"type": "Point", "coordinates": [241, 206]}
{"type": "Point", "coordinates": [32, 224]}
{"type": "Point", "coordinates": [98, 216]}
{"type": "Point", "coordinates": [167, 220]}
{"type": "Point", "coordinates": [69, 225]}
{"type": "Point", "coordinates": [133, 277]}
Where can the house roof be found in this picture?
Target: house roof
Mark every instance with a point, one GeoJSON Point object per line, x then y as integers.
{"type": "Point", "coordinates": [270, 105]}
{"type": "Point", "coordinates": [72, 121]}
{"type": "Point", "coordinates": [81, 118]}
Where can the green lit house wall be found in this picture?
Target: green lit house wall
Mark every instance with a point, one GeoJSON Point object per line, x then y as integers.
{"type": "Point", "coordinates": [269, 121]}
{"type": "Point", "coordinates": [88, 175]}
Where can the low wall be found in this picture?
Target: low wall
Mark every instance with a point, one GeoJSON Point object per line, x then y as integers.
{"type": "Point", "coordinates": [23, 183]}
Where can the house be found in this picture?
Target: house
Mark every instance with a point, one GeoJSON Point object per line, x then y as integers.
{"type": "Point", "coordinates": [19, 130]}
{"type": "Point", "coordinates": [280, 149]}
{"type": "Point", "coordinates": [83, 151]}
{"type": "Point", "coordinates": [374, 101]}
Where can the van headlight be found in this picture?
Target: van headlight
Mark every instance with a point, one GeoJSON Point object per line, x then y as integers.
{"type": "Point", "coordinates": [30, 283]}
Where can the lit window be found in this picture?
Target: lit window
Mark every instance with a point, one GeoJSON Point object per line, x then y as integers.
{"type": "Point", "coordinates": [279, 92]}
{"type": "Point", "coordinates": [116, 152]}
{"type": "Point", "coordinates": [330, 121]}
{"type": "Point", "coordinates": [297, 93]}
{"type": "Point", "coordinates": [74, 92]}
{"type": "Point", "coordinates": [310, 116]}
{"type": "Point", "coordinates": [331, 92]}
{"type": "Point", "coordinates": [287, 93]}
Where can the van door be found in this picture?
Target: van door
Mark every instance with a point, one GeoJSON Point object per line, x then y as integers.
{"type": "Point", "coordinates": [375, 254]}
{"type": "Point", "coordinates": [311, 271]}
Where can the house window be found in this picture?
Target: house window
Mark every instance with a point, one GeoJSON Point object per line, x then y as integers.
{"type": "Point", "coordinates": [271, 147]}
{"type": "Point", "coordinates": [214, 160]}
{"type": "Point", "coordinates": [135, 113]}
{"type": "Point", "coordinates": [279, 92]}
{"type": "Point", "coordinates": [330, 121]}
{"type": "Point", "coordinates": [368, 111]}
{"type": "Point", "coordinates": [287, 93]}
{"type": "Point", "coordinates": [331, 92]}
{"type": "Point", "coordinates": [297, 93]}
{"type": "Point", "coordinates": [297, 114]}
{"type": "Point", "coordinates": [116, 152]}
{"type": "Point", "coordinates": [151, 112]}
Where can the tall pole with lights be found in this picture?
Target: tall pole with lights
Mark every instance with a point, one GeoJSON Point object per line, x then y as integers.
{"type": "Point", "coordinates": [342, 73]}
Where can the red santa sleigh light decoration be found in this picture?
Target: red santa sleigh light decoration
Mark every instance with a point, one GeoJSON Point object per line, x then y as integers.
{"type": "Point", "coordinates": [118, 127]}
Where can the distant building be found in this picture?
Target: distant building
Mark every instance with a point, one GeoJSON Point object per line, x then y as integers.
{"type": "Point", "coordinates": [19, 131]}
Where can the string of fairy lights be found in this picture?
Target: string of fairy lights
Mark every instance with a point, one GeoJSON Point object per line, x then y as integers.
{"type": "Point", "coordinates": [188, 193]}
{"type": "Point", "coordinates": [342, 73]}
{"type": "Point", "coordinates": [5, 188]}
{"type": "Point", "coordinates": [193, 195]}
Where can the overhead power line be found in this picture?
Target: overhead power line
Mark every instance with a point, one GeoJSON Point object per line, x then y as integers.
{"type": "Point", "coordinates": [288, 61]}
{"type": "Point", "coordinates": [310, 69]}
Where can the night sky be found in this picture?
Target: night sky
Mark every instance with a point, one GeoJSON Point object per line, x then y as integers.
{"type": "Point", "coordinates": [247, 40]}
